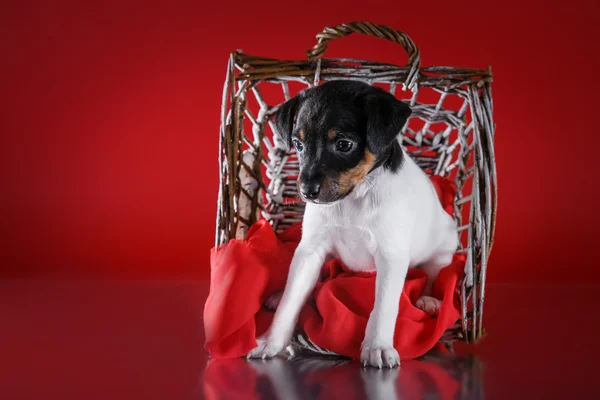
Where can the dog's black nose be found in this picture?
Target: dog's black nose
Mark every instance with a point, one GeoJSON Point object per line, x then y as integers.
{"type": "Point", "coordinates": [310, 190]}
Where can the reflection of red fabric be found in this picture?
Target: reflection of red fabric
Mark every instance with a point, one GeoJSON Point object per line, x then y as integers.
{"type": "Point", "coordinates": [232, 379]}
{"type": "Point", "coordinates": [239, 379]}
{"type": "Point", "coordinates": [245, 273]}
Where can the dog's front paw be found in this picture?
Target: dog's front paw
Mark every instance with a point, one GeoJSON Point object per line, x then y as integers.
{"type": "Point", "coordinates": [379, 357]}
{"type": "Point", "coordinates": [429, 304]}
{"type": "Point", "coordinates": [267, 348]}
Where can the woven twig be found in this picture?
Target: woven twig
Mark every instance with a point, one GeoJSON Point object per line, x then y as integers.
{"type": "Point", "coordinates": [368, 28]}
{"type": "Point", "coordinates": [450, 133]}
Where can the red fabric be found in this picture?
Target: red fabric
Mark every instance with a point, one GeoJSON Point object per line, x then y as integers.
{"type": "Point", "coordinates": [245, 273]}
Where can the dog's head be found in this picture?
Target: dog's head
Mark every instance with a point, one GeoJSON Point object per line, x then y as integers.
{"type": "Point", "coordinates": [341, 130]}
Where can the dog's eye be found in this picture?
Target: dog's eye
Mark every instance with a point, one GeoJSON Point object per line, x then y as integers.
{"type": "Point", "coordinates": [343, 145]}
{"type": "Point", "coordinates": [298, 145]}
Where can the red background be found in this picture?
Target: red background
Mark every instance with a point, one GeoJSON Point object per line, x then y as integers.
{"type": "Point", "coordinates": [110, 118]}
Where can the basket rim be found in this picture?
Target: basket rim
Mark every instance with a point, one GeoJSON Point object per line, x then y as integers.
{"type": "Point", "coordinates": [248, 56]}
{"type": "Point", "coordinates": [253, 68]}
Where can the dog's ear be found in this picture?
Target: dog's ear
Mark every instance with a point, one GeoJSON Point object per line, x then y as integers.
{"type": "Point", "coordinates": [285, 119]}
{"type": "Point", "coordinates": [386, 116]}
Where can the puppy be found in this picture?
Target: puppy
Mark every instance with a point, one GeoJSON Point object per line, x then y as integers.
{"type": "Point", "coordinates": [368, 204]}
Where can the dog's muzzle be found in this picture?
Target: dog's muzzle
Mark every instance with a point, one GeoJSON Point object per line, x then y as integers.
{"type": "Point", "coordinates": [310, 190]}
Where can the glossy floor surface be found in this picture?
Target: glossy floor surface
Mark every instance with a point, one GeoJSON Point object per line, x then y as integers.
{"type": "Point", "coordinates": [144, 340]}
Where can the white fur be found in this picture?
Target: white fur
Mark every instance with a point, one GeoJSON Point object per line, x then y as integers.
{"type": "Point", "coordinates": [392, 221]}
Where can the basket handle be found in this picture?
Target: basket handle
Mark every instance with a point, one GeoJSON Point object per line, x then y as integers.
{"type": "Point", "coordinates": [368, 28]}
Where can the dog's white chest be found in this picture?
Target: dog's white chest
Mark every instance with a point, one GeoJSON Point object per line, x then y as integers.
{"type": "Point", "coordinates": [355, 247]}
{"type": "Point", "coordinates": [351, 238]}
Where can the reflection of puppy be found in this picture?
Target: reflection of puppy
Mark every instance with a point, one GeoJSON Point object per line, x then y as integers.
{"type": "Point", "coordinates": [283, 380]}
{"type": "Point", "coordinates": [380, 384]}
{"type": "Point", "coordinates": [368, 203]}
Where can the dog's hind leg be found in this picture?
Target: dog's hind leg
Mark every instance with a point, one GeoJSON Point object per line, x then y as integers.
{"type": "Point", "coordinates": [427, 302]}
{"type": "Point", "coordinates": [273, 300]}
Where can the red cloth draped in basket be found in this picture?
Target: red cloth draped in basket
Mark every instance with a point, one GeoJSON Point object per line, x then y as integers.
{"type": "Point", "coordinates": [245, 273]}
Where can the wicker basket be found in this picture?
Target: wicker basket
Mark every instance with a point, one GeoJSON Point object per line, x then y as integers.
{"type": "Point", "coordinates": [450, 133]}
